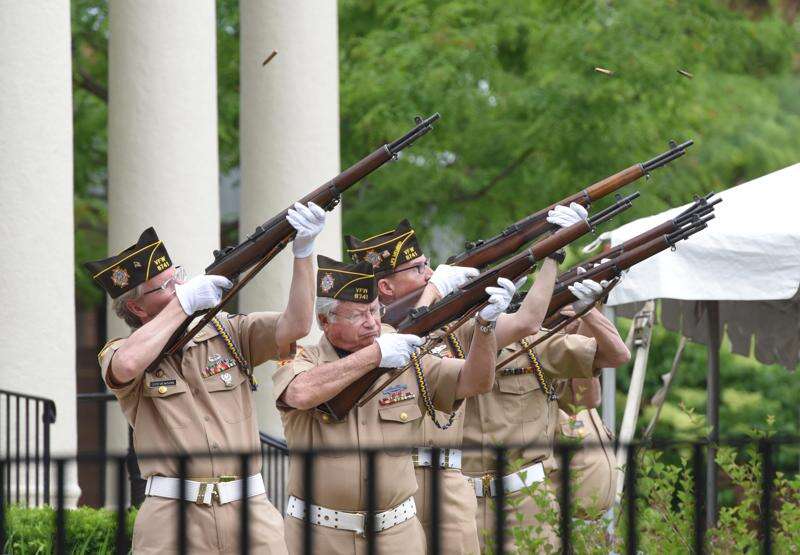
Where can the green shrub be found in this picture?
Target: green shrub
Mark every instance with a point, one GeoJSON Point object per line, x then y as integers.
{"type": "Point", "coordinates": [665, 511]}
{"type": "Point", "coordinates": [88, 531]}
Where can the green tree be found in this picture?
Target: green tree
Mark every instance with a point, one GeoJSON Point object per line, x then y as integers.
{"type": "Point", "coordinates": [527, 119]}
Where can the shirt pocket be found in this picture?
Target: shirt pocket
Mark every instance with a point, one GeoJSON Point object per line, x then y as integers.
{"type": "Point", "coordinates": [519, 398]}
{"type": "Point", "coordinates": [400, 427]}
{"type": "Point", "coordinates": [170, 400]}
{"type": "Point", "coordinates": [230, 394]}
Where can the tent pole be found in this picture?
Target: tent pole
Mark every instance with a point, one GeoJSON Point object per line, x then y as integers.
{"type": "Point", "coordinates": [608, 405]}
{"type": "Point", "coordinates": [712, 409]}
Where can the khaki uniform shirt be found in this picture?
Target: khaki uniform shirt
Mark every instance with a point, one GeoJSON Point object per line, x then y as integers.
{"type": "Point", "coordinates": [451, 437]}
{"type": "Point", "coordinates": [383, 422]}
{"type": "Point", "coordinates": [593, 466]}
{"type": "Point", "coordinates": [516, 411]}
{"type": "Point", "coordinates": [185, 405]}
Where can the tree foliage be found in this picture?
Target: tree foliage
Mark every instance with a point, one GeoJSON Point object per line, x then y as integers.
{"type": "Point", "coordinates": [526, 118]}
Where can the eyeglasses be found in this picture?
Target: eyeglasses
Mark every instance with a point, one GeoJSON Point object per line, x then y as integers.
{"type": "Point", "coordinates": [420, 267]}
{"type": "Point", "coordinates": [179, 276]}
{"type": "Point", "coordinates": [361, 317]}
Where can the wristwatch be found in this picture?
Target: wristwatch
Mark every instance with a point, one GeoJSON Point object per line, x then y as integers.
{"type": "Point", "coordinates": [484, 325]}
{"type": "Point", "coordinates": [558, 256]}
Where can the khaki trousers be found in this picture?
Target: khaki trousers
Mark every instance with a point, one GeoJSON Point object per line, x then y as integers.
{"type": "Point", "coordinates": [529, 508]}
{"type": "Point", "coordinates": [213, 529]}
{"type": "Point", "coordinates": [458, 533]}
{"type": "Point", "coordinates": [405, 538]}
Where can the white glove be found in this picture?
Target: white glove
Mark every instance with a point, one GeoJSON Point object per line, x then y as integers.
{"type": "Point", "coordinates": [201, 292]}
{"type": "Point", "coordinates": [448, 278]}
{"type": "Point", "coordinates": [397, 348]}
{"type": "Point", "coordinates": [587, 292]}
{"type": "Point", "coordinates": [565, 217]}
{"type": "Point", "coordinates": [308, 221]}
{"type": "Point", "coordinates": [499, 299]}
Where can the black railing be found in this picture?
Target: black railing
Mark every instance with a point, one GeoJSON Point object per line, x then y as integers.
{"type": "Point", "coordinates": [25, 422]}
{"type": "Point", "coordinates": [309, 474]}
{"type": "Point", "coordinates": [274, 454]}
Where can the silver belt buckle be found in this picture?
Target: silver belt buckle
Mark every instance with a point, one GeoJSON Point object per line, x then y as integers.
{"type": "Point", "coordinates": [201, 493]}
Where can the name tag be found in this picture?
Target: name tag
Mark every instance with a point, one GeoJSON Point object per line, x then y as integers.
{"type": "Point", "coordinates": [160, 383]}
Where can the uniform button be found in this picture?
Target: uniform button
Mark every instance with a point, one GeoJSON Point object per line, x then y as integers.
{"type": "Point", "coordinates": [215, 445]}
{"type": "Point", "coordinates": [194, 391]}
{"type": "Point", "coordinates": [430, 443]}
{"type": "Point", "coordinates": [363, 422]}
{"type": "Point", "coordinates": [162, 389]}
{"type": "Point", "coordinates": [326, 418]}
{"type": "Point", "coordinates": [206, 418]}
{"type": "Point", "coordinates": [403, 417]}
{"type": "Point", "coordinates": [160, 374]}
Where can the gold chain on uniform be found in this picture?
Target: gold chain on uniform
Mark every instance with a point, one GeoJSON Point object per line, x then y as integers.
{"type": "Point", "coordinates": [423, 385]}
{"type": "Point", "coordinates": [548, 389]}
{"type": "Point", "coordinates": [235, 353]}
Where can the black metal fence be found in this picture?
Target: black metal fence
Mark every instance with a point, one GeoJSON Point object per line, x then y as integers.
{"type": "Point", "coordinates": [25, 461]}
{"type": "Point", "coordinates": [311, 473]}
{"type": "Point", "coordinates": [25, 446]}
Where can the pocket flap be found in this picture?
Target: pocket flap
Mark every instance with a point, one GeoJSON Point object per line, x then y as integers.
{"type": "Point", "coordinates": [522, 383]}
{"type": "Point", "coordinates": [401, 413]}
{"type": "Point", "coordinates": [228, 380]}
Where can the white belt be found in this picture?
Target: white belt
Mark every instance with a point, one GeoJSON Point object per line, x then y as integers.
{"type": "Point", "coordinates": [351, 521]}
{"type": "Point", "coordinates": [511, 483]}
{"type": "Point", "coordinates": [203, 492]}
{"type": "Point", "coordinates": [448, 458]}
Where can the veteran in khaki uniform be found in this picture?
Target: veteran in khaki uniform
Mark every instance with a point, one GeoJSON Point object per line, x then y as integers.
{"type": "Point", "coordinates": [355, 344]}
{"type": "Point", "coordinates": [397, 276]}
{"type": "Point", "coordinates": [522, 408]}
{"type": "Point", "coordinates": [401, 269]}
{"type": "Point", "coordinates": [200, 402]}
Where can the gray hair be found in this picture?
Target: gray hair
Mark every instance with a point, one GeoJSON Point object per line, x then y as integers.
{"type": "Point", "coordinates": [325, 306]}
{"type": "Point", "coordinates": [120, 306]}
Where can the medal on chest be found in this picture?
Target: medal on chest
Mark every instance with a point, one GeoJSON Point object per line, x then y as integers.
{"type": "Point", "coordinates": [395, 394]}
{"type": "Point", "coordinates": [216, 365]}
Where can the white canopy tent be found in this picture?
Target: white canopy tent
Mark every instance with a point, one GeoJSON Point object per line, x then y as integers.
{"type": "Point", "coordinates": [741, 275]}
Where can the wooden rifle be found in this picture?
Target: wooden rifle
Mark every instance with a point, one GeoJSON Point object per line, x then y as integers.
{"type": "Point", "coordinates": [268, 239]}
{"type": "Point", "coordinates": [460, 305]}
{"type": "Point", "coordinates": [656, 241]}
{"type": "Point", "coordinates": [701, 206]}
{"type": "Point", "coordinates": [484, 252]}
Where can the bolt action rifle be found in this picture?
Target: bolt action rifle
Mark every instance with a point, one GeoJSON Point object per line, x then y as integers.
{"type": "Point", "coordinates": [459, 306]}
{"type": "Point", "coordinates": [268, 239]}
{"type": "Point", "coordinates": [647, 244]}
{"type": "Point", "coordinates": [485, 252]}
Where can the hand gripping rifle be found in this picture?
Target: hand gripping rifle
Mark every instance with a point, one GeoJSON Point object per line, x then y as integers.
{"type": "Point", "coordinates": [268, 239]}
{"type": "Point", "coordinates": [611, 270]}
{"type": "Point", "coordinates": [485, 252]}
{"type": "Point", "coordinates": [459, 306]}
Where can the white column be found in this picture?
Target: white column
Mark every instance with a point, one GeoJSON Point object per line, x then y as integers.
{"type": "Point", "coordinates": [289, 133]}
{"type": "Point", "coordinates": [162, 135]}
{"type": "Point", "coordinates": [37, 336]}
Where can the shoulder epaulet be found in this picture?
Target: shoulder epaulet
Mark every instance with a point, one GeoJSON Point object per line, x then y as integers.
{"type": "Point", "coordinates": [106, 347]}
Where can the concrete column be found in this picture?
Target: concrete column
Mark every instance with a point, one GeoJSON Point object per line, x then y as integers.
{"type": "Point", "coordinates": [289, 133]}
{"type": "Point", "coordinates": [162, 135]}
{"type": "Point", "coordinates": [37, 336]}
